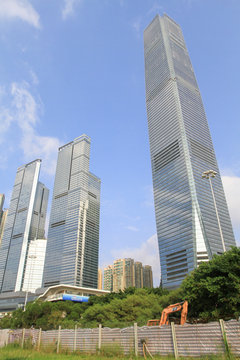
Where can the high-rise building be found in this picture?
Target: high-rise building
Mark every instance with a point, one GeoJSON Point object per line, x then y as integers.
{"type": "Point", "coordinates": [2, 224]}
{"type": "Point", "coordinates": [73, 236]}
{"type": "Point", "coordinates": [108, 278]}
{"type": "Point", "coordinates": [147, 276]}
{"type": "Point", "coordinates": [188, 226]}
{"type": "Point", "coordinates": [34, 265]}
{"type": "Point", "coordinates": [99, 279]}
{"type": "Point", "coordinates": [3, 216]}
{"type": "Point", "coordinates": [25, 222]}
{"type": "Point", "coordinates": [138, 268]}
{"type": "Point", "coordinates": [118, 275]}
{"type": "Point", "coordinates": [2, 198]}
{"type": "Point", "coordinates": [125, 273]}
{"type": "Point", "coordinates": [129, 273]}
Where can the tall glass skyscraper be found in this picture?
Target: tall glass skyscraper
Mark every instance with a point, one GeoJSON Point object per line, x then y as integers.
{"type": "Point", "coordinates": [188, 228]}
{"type": "Point", "coordinates": [25, 222]}
{"type": "Point", "coordinates": [73, 237]}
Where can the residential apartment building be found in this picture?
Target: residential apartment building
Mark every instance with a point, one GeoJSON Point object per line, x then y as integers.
{"type": "Point", "coordinates": [147, 276]}
{"type": "Point", "coordinates": [100, 279]}
{"type": "Point", "coordinates": [126, 273]}
{"type": "Point", "coordinates": [108, 278]}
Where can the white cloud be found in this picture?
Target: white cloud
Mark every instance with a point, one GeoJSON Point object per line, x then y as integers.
{"type": "Point", "coordinates": [22, 112]}
{"type": "Point", "coordinates": [147, 253]}
{"type": "Point", "coordinates": [136, 25]}
{"type": "Point", "coordinates": [69, 8]}
{"type": "Point", "coordinates": [155, 9]}
{"type": "Point", "coordinates": [34, 77]}
{"type": "Point", "coordinates": [132, 228]}
{"type": "Point", "coordinates": [19, 9]}
{"type": "Point", "coordinates": [232, 190]}
{"type": "Point", "coordinates": [148, 197]}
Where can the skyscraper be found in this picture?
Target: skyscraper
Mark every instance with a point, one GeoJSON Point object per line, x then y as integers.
{"type": "Point", "coordinates": [25, 222]}
{"type": "Point", "coordinates": [3, 216]}
{"type": "Point", "coordinates": [2, 198]}
{"type": "Point", "coordinates": [73, 236]}
{"type": "Point", "coordinates": [188, 226]}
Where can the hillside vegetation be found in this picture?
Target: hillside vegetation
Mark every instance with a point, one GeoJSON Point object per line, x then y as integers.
{"type": "Point", "coordinates": [212, 290]}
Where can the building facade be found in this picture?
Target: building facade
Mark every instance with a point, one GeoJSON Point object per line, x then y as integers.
{"type": "Point", "coordinates": [2, 199]}
{"type": "Point", "coordinates": [73, 236]}
{"type": "Point", "coordinates": [147, 276]}
{"type": "Point", "coordinates": [125, 273]}
{"type": "Point", "coordinates": [119, 275]}
{"type": "Point", "coordinates": [181, 150]}
{"type": "Point", "coordinates": [34, 265]}
{"type": "Point", "coordinates": [3, 216]}
{"type": "Point", "coordinates": [100, 279]}
{"type": "Point", "coordinates": [108, 278]}
{"type": "Point", "coordinates": [25, 222]}
{"type": "Point", "coordinates": [138, 268]}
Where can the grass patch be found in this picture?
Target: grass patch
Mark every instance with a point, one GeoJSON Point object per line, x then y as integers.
{"type": "Point", "coordinates": [15, 352]}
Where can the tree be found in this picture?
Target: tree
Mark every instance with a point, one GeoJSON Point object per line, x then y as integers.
{"type": "Point", "coordinates": [213, 289]}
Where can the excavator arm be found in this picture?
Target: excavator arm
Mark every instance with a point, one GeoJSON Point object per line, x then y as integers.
{"type": "Point", "coordinates": [182, 306]}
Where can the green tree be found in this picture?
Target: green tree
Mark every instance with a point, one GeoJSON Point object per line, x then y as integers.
{"type": "Point", "coordinates": [213, 289]}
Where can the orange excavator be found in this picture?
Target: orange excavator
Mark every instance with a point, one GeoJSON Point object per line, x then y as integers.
{"type": "Point", "coordinates": [182, 306]}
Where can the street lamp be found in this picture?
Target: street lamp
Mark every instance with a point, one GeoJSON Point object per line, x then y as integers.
{"type": "Point", "coordinates": [208, 175]}
{"type": "Point", "coordinates": [30, 273]}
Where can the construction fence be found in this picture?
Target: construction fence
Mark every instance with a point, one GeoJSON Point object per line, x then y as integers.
{"type": "Point", "coordinates": [178, 340]}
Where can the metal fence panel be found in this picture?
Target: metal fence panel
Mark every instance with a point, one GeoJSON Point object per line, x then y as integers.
{"type": "Point", "coordinates": [232, 329]}
{"type": "Point", "coordinates": [199, 339]}
{"type": "Point", "coordinates": [158, 339]}
{"type": "Point", "coordinates": [192, 339]}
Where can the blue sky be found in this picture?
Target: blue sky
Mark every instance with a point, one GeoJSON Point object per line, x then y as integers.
{"type": "Point", "coordinates": [69, 67]}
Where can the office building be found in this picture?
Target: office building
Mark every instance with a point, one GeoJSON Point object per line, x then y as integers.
{"type": "Point", "coordinates": [147, 276]}
{"type": "Point", "coordinates": [2, 224]}
{"type": "Point", "coordinates": [189, 228]}
{"type": "Point", "coordinates": [25, 222]}
{"type": "Point", "coordinates": [108, 278]}
{"type": "Point", "coordinates": [2, 198]}
{"type": "Point", "coordinates": [3, 216]}
{"type": "Point", "coordinates": [34, 265]}
{"type": "Point", "coordinates": [73, 236]}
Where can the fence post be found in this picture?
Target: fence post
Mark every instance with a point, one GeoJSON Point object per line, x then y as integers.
{"type": "Point", "coordinates": [23, 336]}
{"type": "Point", "coordinates": [8, 338]}
{"type": "Point", "coordinates": [39, 339]}
{"type": "Point", "coordinates": [75, 338]}
{"type": "Point", "coordinates": [59, 338]}
{"type": "Point", "coordinates": [224, 335]}
{"type": "Point", "coordinates": [136, 338]}
{"type": "Point", "coordinates": [174, 340]}
{"type": "Point", "coordinates": [99, 336]}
